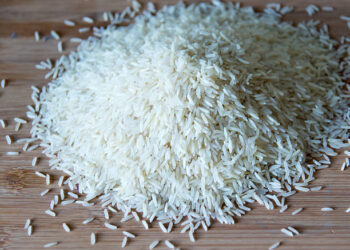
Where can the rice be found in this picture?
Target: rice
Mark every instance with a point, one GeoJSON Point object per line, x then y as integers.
{"type": "Point", "coordinates": [145, 224]}
{"type": "Point", "coordinates": [40, 174]}
{"type": "Point", "coordinates": [66, 227]}
{"type": "Point", "coordinates": [36, 36]}
{"type": "Point", "coordinates": [129, 235]}
{"type": "Point", "coordinates": [83, 30]}
{"type": "Point", "coordinates": [3, 83]}
{"type": "Point", "coordinates": [177, 122]}
{"type": "Point", "coordinates": [106, 214]}
{"type": "Point", "coordinates": [287, 232]}
{"type": "Point", "coordinates": [75, 40]}
{"type": "Point", "coordinates": [154, 244]}
{"type": "Point", "coordinates": [3, 124]}
{"type": "Point", "coordinates": [30, 230]}
{"type": "Point", "coordinates": [55, 35]}
{"type": "Point", "coordinates": [327, 209]}
{"type": "Point", "coordinates": [34, 161]}
{"type": "Point", "coordinates": [8, 139]}
{"type": "Point", "coordinates": [52, 244]}
{"type": "Point", "coordinates": [293, 230]}
{"type": "Point", "coordinates": [124, 242]}
{"type": "Point", "coordinates": [295, 212]}
{"type": "Point", "coordinates": [327, 8]}
{"type": "Point", "coordinates": [51, 213]}
{"type": "Point", "coordinates": [60, 181]}
{"type": "Point", "coordinates": [60, 47]}
{"type": "Point", "coordinates": [169, 244]}
{"type": "Point", "coordinates": [312, 9]}
{"type": "Point", "coordinates": [275, 245]}
{"type": "Point", "coordinates": [162, 227]}
{"type": "Point", "coordinates": [191, 236]}
{"type": "Point", "coordinates": [69, 23]}
{"type": "Point", "coordinates": [317, 188]}
{"type": "Point", "coordinates": [347, 210]}
{"type": "Point", "coordinates": [67, 202]}
{"type": "Point", "coordinates": [110, 226]}
{"type": "Point", "coordinates": [87, 221]}
{"type": "Point", "coordinates": [44, 192]}
{"type": "Point", "coordinates": [31, 148]}
{"type": "Point", "coordinates": [92, 239]}
{"type": "Point", "coordinates": [12, 153]}
{"type": "Point", "coordinates": [73, 195]}
{"type": "Point", "coordinates": [48, 179]}
{"type": "Point", "coordinates": [27, 224]}
{"type": "Point", "coordinates": [88, 19]}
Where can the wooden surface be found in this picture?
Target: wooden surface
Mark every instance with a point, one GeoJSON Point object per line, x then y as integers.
{"type": "Point", "coordinates": [20, 187]}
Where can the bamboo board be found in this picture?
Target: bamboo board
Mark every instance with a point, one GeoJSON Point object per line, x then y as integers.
{"type": "Point", "coordinates": [20, 187]}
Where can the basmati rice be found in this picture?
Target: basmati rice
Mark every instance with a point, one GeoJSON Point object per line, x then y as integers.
{"type": "Point", "coordinates": [51, 213]}
{"type": "Point", "coordinates": [36, 36]}
{"type": "Point", "coordinates": [287, 232]}
{"type": "Point", "coordinates": [30, 230]}
{"type": "Point", "coordinates": [297, 211]}
{"type": "Point", "coordinates": [171, 116]}
{"type": "Point", "coordinates": [88, 220]}
{"type": "Point", "coordinates": [55, 35]}
{"type": "Point", "coordinates": [66, 227]}
{"type": "Point", "coordinates": [125, 240]}
{"type": "Point", "coordinates": [275, 245]}
{"type": "Point", "coordinates": [69, 23]}
{"type": "Point", "coordinates": [52, 244]}
{"type": "Point", "coordinates": [3, 83]}
{"type": "Point", "coordinates": [92, 239]}
{"type": "Point", "coordinates": [28, 222]}
{"type": "Point", "coordinates": [88, 19]}
{"type": "Point", "coordinates": [326, 209]}
{"type": "Point", "coordinates": [293, 230]}
{"type": "Point", "coordinates": [169, 244]}
{"type": "Point", "coordinates": [110, 226]}
{"type": "Point", "coordinates": [154, 244]}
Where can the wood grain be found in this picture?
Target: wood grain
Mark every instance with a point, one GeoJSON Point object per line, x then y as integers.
{"type": "Point", "coordinates": [20, 187]}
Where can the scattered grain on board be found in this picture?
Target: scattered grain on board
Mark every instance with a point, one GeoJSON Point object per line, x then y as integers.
{"type": "Point", "coordinates": [327, 209]}
{"type": "Point", "coordinates": [93, 239]}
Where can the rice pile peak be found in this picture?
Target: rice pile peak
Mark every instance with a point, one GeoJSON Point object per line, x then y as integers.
{"type": "Point", "coordinates": [195, 111]}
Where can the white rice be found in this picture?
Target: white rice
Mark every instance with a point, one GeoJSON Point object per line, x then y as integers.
{"type": "Point", "coordinates": [69, 23]}
{"type": "Point", "coordinates": [347, 210]}
{"type": "Point", "coordinates": [3, 123]}
{"type": "Point", "coordinates": [73, 195]}
{"type": "Point", "coordinates": [88, 19]}
{"type": "Point", "coordinates": [12, 153]}
{"type": "Point", "coordinates": [110, 226]}
{"type": "Point", "coordinates": [55, 35]}
{"type": "Point", "coordinates": [67, 202]}
{"type": "Point", "coordinates": [60, 47]}
{"type": "Point", "coordinates": [327, 8]}
{"type": "Point", "coordinates": [295, 212]}
{"type": "Point", "coordinates": [83, 30]}
{"type": "Point", "coordinates": [106, 214]}
{"type": "Point", "coordinates": [36, 36]}
{"type": "Point", "coordinates": [327, 209]}
{"type": "Point", "coordinates": [3, 83]}
{"type": "Point", "coordinates": [317, 188]}
{"type": "Point", "coordinates": [169, 244]}
{"type": "Point", "coordinates": [52, 244]}
{"type": "Point", "coordinates": [87, 221]}
{"type": "Point", "coordinates": [287, 232]}
{"type": "Point", "coordinates": [30, 230]}
{"type": "Point", "coordinates": [275, 245]}
{"type": "Point", "coordinates": [66, 227]}
{"type": "Point", "coordinates": [145, 224]}
{"type": "Point", "coordinates": [40, 174]}
{"type": "Point", "coordinates": [28, 222]}
{"type": "Point", "coordinates": [75, 40]}
{"type": "Point", "coordinates": [129, 235]}
{"type": "Point", "coordinates": [34, 161]}
{"type": "Point", "coordinates": [293, 230]}
{"type": "Point", "coordinates": [51, 213]}
{"type": "Point", "coordinates": [45, 192]}
{"type": "Point", "coordinates": [92, 239]}
{"type": "Point", "coordinates": [48, 179]}
{"type": "Point", "coordinates": [162, 227]}
{"type": "Point", "coordinates": [124, 242]}
{"type": "Point", "coordinates": [153, 244]}
{"type": "Point", "coordinates": [8, 139]}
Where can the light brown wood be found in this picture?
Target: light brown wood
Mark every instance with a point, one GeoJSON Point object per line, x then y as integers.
{"type": "Point", "coordinates": [20, 187]}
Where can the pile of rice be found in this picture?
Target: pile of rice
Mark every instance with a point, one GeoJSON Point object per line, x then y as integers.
{"type": "Point", "coordinates": [193, 111]}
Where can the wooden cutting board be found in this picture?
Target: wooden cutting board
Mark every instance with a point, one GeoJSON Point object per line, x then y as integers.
{"type": "Point", "coordinates": [20, 187]}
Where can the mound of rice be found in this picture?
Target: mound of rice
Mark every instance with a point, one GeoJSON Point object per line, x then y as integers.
{"type": "Point", "coordinates": [194, 111]}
